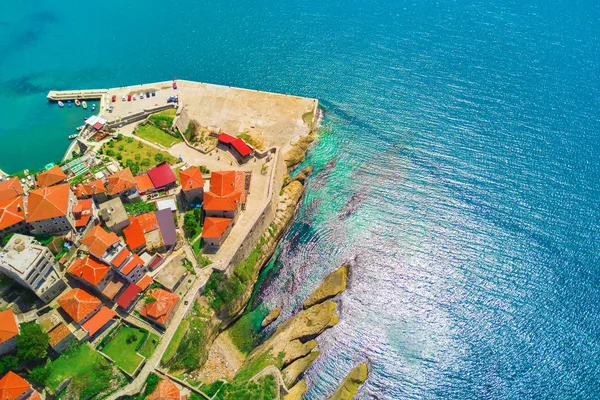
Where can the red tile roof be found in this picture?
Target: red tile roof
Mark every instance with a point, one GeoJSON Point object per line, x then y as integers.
{"type": "Point", "coordinates": [12, 386]}
{"type": "Point", "coordinates": [215, 227]}
{"type": "Point", "coordinates": [161, 309]}
{"type": "Point", "coordinates": [11, 212]}
{"type": "Point", "coordinates": [34, 396]}
{"type": "Point", "coordinates": [144, 183]}
{"type": "Point", "coordinates": [144, 282]}
{"type": "Point", "coordinates": [89, 270]}
{"type": "Point", "coordinates": [99, 319]}
{"type": "Point", "coordinates": [78, 304]}
{"type": "Point", "coordinates": [222, 183]}
{"type": "Point", "coordinates": [162, 175]}
{"type": "Point", "coordinates": [8, 326]}
{"type": "Point", "coordinates": [241, 147]}
{"type": "Point", "coordinates": [97, 240]}
{"type": "Point", "coordinates": [48, 202]}
{"type": "Point", "coordinates": [89, 188]}
{"type": "Point", "coordinates": [134, 234]}
{"type": "Point", "coordinates": [51, 177]}
{"type": "Point", "coordinates": [165, 390]}
{"type": "Point", "coordinates": [58, 334]}
{"type": "Point", "coordinates": [128, 295]}
{"type": "Point", "coordinates": [191, 179]}
{"type": "Point", "coordinates": [148, 221]}
{"type": "Point", "coordinates": [10, 188]}
{"type": "Point", "coordinates": [121, 257]}
{"type": "Point", "coordinates": [120, 181]}
{"type": "Point", "coordinates": [213, 202]}
{"type": "Point", "coordinates": [135, 261]}
{"type": "Point", "coordinates": [83, 212]}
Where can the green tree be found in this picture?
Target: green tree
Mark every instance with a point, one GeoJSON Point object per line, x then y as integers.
{"type": "Point", "coordinates": [40, 374]}
{"type": "Point", "coordinates": [158, 157]}
{"type": "Point", "coordinates": [189, 224]}
{"type": "Point", "coordinates": [119, 156]}
{"type": "Point", "coordinates": [32, 342]}
{"type": "Point", "coordinates": [145, 162]}
{"type": "Point", "coordinates": [8, 363]}
{"type": "Point", "coordinates": [110, 153]}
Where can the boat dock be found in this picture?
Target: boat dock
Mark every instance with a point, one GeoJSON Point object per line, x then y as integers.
{"type": "Point", "coordinates": [91, 94]}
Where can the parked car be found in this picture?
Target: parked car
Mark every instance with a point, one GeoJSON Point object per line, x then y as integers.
{"type": "Point", "coordinates": [128, 97]}
{"type": "Point", "coordinates": [135, 97]}
{"type": "Point", "coordinates": [141, 95]}
{"type": "Point", "coordinates": [153, 93]}
{"type": "Point", "coordinates": [174, 85]}
{"type": "Point", "coordinates": [114, 98]}
{"type": "Point", "coordinates": [147, 94]}
{"type": "Point", "coordinates": [123, 98]}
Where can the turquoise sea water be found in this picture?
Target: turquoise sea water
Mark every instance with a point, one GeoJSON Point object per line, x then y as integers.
{"type": "Point", "coordinates": [466, 185]}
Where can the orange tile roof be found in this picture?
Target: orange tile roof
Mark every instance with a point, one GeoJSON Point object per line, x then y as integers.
{"type": "Point", "coordinates": [89, 270]}
{"type": "Point", "coordinates": [134, 234]}
{"type": "Point", "coordinates": [58, 334]}
{"type": "Point", "coordinates": [12, 386]}
{"type": "Point", "coordinates": [148, 221]}
{"type": "Point", "coordinates": [214, 202]}
{"type": "Point", "coordinates": [10, 188]}
{"type": "Point", "coordinates": [34, 396]}
{"type": "Point", "coordinates": [11, 212]}
{"type": "Point", "coordinates": [215, 227]}
{"type": "Point", "coordinates": [121, 257]}
{"type": "Point", "coordinates": [161, 309]}
{"type": "Point", "coordinates": [51, 177]}
{"type": "Point", "coordinates": [89, 188]}
{"type": "Point", "coordinates": [120, 181]}
{"type": "Point", "coordinates": [144, 282]}
{"type": "Point", "coordinates": [191, 179]}
{"type": "Point", "coordinates": [83, 212]}
{"type": "Point", "coordinates": [112, 289]}
{"type": "Point", "coordinates": [78, 303]}
{"type": "Point", "coordinates": [48, 202]}
{"type": "Point", "coordinates": [8, 326]}
{"type": "Point", "coordinates": [97, 240]}
{"type": "Point", "coordinates": [99, 319]}
{"type": "Point", "coordinates": [135, 261]}
{"type": "Point", "coordinates": [222, 183]}
{"type": "Point", "coordinates": [144, 182]}
{"type": "Point", "coordinates": [165, 390]}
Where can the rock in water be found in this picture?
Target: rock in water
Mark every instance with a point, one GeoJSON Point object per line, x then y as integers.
{"type": "Point", "coordinates": [350, 385]}
{"type": "Point", "coordinates": [333, 285]}
{"type": "Point", "coordinates": [271, 317]}
{"type": "Point", "coordinates": [297, 392]}
{"type": "Point", "coordinates": [292, 372]}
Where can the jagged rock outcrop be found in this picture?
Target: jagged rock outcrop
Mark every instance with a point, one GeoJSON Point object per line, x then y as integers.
{"type": "Point", "coordinates": [271, 317]}
{"type": "Point", "coordinates": [298, 151]}
{"type": "Point", "coordinates": [347, 390]}
{"type": "Point", "coordinates": [297, 392]}
{"type": "Point", "coordinates": [302, 176]}
{"type": "Point", "coordinates": [292, 372]}
{"type": "Point", "coordinates": [333, 285]}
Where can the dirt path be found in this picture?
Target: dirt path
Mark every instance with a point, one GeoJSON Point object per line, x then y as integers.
{"type": "Point", "coordinates": [223, 362]}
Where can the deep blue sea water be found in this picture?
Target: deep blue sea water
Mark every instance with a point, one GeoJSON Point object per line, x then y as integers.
{"type": "Point", "coordinates": [466, 186]}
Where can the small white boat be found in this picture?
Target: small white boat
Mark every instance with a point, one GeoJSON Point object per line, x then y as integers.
{"type": "Point", "coordinates": [77, 103]}
{"type": "Point", "coordinates": [61, 104]}
{"type": "Point", "coordinates": [84, 105]}
{"type": "Point", "coordinates": [71, 137]}
{"type": "Point", "coordinates": [93, 107]}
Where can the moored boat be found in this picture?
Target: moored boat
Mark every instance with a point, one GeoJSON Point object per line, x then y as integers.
{"type": "Point", "coordinates": [84, 105]}
{"type": "Point", "coordinates": [71, 137]}
{"type": "Point", "coordinates": [69, 103]}
{"type": "Point", "coordinates": [93, 107]}
{"type": "Point", "coordinates": [77, 103]}
{"type": "Point", "coordinates": [61, 104]}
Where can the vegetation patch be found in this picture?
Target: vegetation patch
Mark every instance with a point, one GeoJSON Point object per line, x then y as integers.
{"type": "Point", "coordinates": [264, 389]}
{"type": "Point", "coordinates": [91, 374]}
{"type": "Point", "coordinates": [149, 345]}
{"type": "Point", "coordinates": [192, 223]}
{"type": "Point", "coordinates": [152, 382]}
{"type": "Point", "coordinates": [163, 119]}
{"type": "Point", "coordinates": [257, 364]}
{"type": "Point", "coordinates": [156, 135]}
{"type": "Point", "coordinates": [175, 341]}
{"type": "Point", "coordinates": [244, 333]}
{"type": "Point", "coordinates": [192, 348]}
{"type": "Point", "coordinates": [132, 153]}
{"type": "Point", "coordinates": [140, 207]}
{"type": "Point", "coordinates": [122, 348]}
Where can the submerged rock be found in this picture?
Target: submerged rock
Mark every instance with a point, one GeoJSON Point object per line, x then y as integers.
{"type": "Point", "coordinates": [333, 285]}
{"type": "Point", "coordinates": [297, 392]}
{"type": "Point", "coordinates": [347, 390]}
{"type": "Point", "coordinates": [271, 317]}
{"type": "Point", "coordinates": [292, 372]}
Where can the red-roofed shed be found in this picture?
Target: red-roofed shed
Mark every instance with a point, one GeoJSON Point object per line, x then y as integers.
{"type": "Point", "coordinates": [162, 176]}
{"type": "Point", "coordinates": [128, 295]}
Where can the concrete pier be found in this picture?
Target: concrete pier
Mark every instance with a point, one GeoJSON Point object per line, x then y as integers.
{"type": "Point", "coordinates": [91, 94]}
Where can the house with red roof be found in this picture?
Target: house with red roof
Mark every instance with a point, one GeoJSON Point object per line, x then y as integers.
{"type": "Point", "coordinates": [53, 176]}
{"type": "Point", "coordinates": [99, 321]}
{"type": "Point", "coordinates": [49, 209]}
{"type": "Point", "coordinates": [165, 390]}
{"type": "Point", "coordinates": [13, 387]}
{"type": "Point", "coordinates": [60, 337]}
{"type": "Point", "coordinates": [134, 235]}
{"type": "Point", "coordinates": [159, 309]}
{"type": "Point", "coordinates": [144, 183]}
{"type": "Point", "coordinates": [93, 189]}
{"type": "Point", "coordinates": [79, 305]}
{"type": "Point", "coordinates": [12, 216]}
{"type": "Point", "coordinates": [215, 231]}
{"type": "Point", "coordinates": [121, 183]}
{"type": "Point", "coordinates": [126, 299]}
{"type": "Point", "coordinates": [10, 188]}
{"type": "Point", "coordinates": [83, 211]}
{"type": "Point", "coordinates": [162, 176]}
{"type": "Point", "coordinates": [103, 245]}
{"type": "Point", "coordinates": [227, 194]}
{"type": "Point", "coordinates": [192, 185]}
{"type": "Point", "coordinates": [91, 272]}
{"type": "Point", "coordinates": [242, 151]}
{"type": "Point", "coordinates": [9, 329]}
{"type": "Point", "coordinates": [154, 230]}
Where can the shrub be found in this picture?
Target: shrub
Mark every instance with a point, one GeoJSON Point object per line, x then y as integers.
{"type": "Point", "coordinates": [8, 363]}
{"type": "Point", "coordinates": [32, 342]}
{"type": "Point", "coordinates": [158, 157]}
{"type": "Point", "coordinates": [119, 156]}
{"type": "Point", "coordinates": [145, 162]}
{"type": "Point", "coordinates": [40, 374]}
{"type": "Point", "coordinates": [121, 147]}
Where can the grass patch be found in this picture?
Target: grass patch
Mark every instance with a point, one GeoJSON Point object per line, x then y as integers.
{"type": "Point", "coordinates": [140, 207]}
{"type": "Point", "coordinates": [156, 135]}
{"type": "Point", "coordinates": [244, 333]}
{"type": "Point", "coordinates": [90, 372]}
{"type": "Point", "coordinates": [136, 155]}
{"type": "Point", "coordinates": [256, 365]}
{"type": "Point", "coordinates": [163, 119]}
{"type": "Point", "coordinates": [175, 341]}
{"type": "Point", "coordinates": [191, 349]}
{"type": "Point", "coordinates": [211, 389]}
{"type": "Point", "coordinates": [264, 389]}
{"type": "Point", "coordinates": [122, 348]}
{"type": "Point", "coordinates": [149, 345]}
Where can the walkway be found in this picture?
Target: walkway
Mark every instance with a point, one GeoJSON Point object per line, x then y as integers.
{"type": "Point", "coordinates": [56, 95]}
